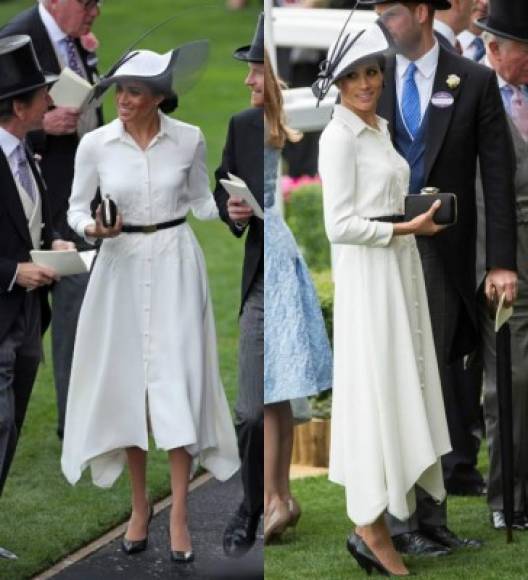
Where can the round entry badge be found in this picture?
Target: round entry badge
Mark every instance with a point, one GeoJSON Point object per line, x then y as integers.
{"type": "Point", "coordinates": [442, 100]}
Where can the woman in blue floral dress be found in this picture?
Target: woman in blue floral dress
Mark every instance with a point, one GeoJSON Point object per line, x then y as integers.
{"type": "Point", "coordinates": [297, 355]}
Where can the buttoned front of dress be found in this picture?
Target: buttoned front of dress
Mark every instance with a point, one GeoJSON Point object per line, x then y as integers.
{"type": "Point", "coordinates": [146, 344]}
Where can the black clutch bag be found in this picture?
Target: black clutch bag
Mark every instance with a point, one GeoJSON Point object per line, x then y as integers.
{"type": "Point", "coordinates": [108, 212]}
{"type": "Point", "coordinates": [445, 215]}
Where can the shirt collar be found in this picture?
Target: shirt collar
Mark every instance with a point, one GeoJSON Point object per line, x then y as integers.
{"type": "Point", "coordinates": [116, 130]}
{"type": "Point", "coordinates": [426, 64]}
{"type": "Point", "coordinates": [466, 37]}
{"type": "Point", "coordinates": [8, 142]}
{"type": "Point", "coordinates": [55, 33]}
{"type": "Point", "coordinates": [445, 30]}
{"type": "Point", "coordinates": [355, 123]}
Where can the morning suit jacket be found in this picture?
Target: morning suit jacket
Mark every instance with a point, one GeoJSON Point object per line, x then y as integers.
{"type": "Point", "coordinates": [57, 152]}
{"type": "Point", "coordinates": [474, 126]}
{"type": "Point", "coordinates": [15, 245]}
{"type": "Point", "coordinates": [243, 156]}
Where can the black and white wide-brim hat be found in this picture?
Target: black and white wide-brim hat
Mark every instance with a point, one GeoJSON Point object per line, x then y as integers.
{"type": "Point", "coordinates": [348, 51]}
{"type": "Point", "coordinates": [172, 73]}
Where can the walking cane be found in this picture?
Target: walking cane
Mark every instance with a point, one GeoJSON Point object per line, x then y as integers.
{"type": "Point", "coordinates": [504, 396]}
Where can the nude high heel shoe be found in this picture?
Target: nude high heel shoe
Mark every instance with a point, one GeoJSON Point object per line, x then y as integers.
{"type": "Point", "coordinates": [295, 512]}
{"type": "Point", "coordinates": [275, 521]}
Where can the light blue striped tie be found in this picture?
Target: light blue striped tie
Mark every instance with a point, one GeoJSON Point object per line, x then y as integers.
{"type": "Point", "coordinates": [411, 101]}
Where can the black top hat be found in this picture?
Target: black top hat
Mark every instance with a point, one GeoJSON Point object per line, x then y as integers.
{"type": "Point", "coordinates": [254, 52]}
{"type": "Point", "coordinates": [437, 4]}
{"type": "Point", "coordinates": [20, 70]}
{"type": "Point", "coordinates": [507, 18]}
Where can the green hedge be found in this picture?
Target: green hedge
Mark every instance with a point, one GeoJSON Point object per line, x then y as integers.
{"type": "Point", "coordinates": [325, 291]}
{"type": "Point", "coordinates": [322, 404]}
{"type": "Point", "coordinates": [304, 215]}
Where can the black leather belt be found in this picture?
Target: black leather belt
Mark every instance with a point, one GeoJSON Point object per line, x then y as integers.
{"type": "Point", "coordinates": [394, 219]}
{"type": "Point", "coordinates": [128, 229]}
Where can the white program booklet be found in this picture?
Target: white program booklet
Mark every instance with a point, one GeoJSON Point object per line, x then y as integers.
{"type": "Point", "coordinates": [71, 90]}
{"type": "Point", "coordinates": [64, 262]}
{"type": "Point", "coordinates": [236, 187]}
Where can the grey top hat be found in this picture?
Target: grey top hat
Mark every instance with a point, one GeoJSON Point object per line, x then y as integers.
{"type": "Point", "coordinates": [20, 70]}
{"type": "Point", "coordinates": [507, 19]}
{"type": "Point", "coordinates": [255, 51]}
{"type": "Point", "coordinates": [437, 4]}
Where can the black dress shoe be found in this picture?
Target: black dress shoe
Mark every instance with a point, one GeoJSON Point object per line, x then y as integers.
{"type": "Point", "coordinates": [7, 555]}
{"type": "Point", "coordinates": [239, 535]}
{"type": "Point", "coordinates": [473, 489]}
{"type": "Point", "coordinates": [520, 522]}
{"type": "Point", "coordinates": [416, 544]}
{"type": "Point", "coordinates": [444, 536]}
{"type": "Point", "coordinates": [135, 546]}
{"type": "Point", "coordinates": [182, 557]}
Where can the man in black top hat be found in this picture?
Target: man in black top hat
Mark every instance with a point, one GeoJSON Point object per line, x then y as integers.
{"type": "Point", "coordinates": [25, 224]}
{"type": "Point", "coordinates": [56, 28]}
{"type": "Point", "coordinates": [506, 38]}
{"type": "Point", "coordinates": [461, 120]}
{"type": "Point", "coordinates": [243, 156]}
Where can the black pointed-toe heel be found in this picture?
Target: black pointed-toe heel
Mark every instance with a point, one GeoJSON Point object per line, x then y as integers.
{"type": "Point", "coordinates": [366, 559]}
{"type": "Point", "coordinates": [136, 546]}
{"type": "Point", "coordinates": [182, 557]}
{"type": "Point", "coordinates": [363, 556]}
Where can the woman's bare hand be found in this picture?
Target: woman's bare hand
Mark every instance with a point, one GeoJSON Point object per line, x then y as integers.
{"type": "Point", "coordinates": [99, 231]}
{"type": "Point", "coordinates": [421, 225]}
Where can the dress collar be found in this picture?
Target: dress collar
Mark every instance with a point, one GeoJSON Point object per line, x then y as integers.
{"type": "Point", "coordinates": [116, 130]}
{"type": "Point", "coordinates": [356, 123]}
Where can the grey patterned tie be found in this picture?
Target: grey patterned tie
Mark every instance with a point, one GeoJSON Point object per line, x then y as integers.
{"type": "Point", "coordinates": [24, 172]}
{"type": "Point", "coordinates": [73, 58]}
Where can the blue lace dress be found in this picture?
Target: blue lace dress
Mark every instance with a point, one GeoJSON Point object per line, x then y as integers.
{"type": "Point", "coordinates": [297, 355]}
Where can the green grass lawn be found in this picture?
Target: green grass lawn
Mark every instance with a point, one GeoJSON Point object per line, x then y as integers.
{"type": "Point", "coordinates": [42, 518]}
{"type": "Point", "coordinates": [317, 548]}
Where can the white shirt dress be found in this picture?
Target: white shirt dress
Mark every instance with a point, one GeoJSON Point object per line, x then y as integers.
{"type": "Point", "coordinates": [389, 427]}
{"type": "Point", "coordinates": [145, 352]}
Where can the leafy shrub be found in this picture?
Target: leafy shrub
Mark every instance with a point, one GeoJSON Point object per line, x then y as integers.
{"type": "Point", "coordinates": [304, 215]}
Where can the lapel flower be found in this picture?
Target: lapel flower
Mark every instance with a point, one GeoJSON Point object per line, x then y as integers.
{"type": "Point", "coordinates": [453, 81]}
{"type": "Point", "coordinates": [89, 42]}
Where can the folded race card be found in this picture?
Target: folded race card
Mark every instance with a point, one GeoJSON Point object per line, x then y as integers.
{"type": "Point", "coordinates": [503, 313]}
{"type": "Point", "coordinates": [64, 262]}
{"type": "Point", "coordinates": [236, 187]}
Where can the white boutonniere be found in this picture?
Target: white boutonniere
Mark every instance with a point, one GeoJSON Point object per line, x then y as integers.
{"type": "Point", "coordinates": [37, 159]}
{"type": "Point", "coordinates": [453, 81]}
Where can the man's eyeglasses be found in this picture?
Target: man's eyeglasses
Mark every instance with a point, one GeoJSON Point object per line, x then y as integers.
{"type": "Point", "coordinates": [89, 4]}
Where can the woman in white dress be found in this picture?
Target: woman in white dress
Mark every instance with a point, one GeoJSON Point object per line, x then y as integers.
{"type": "Point", "coordinates": [388, 422]}
{"type": "Point", "coordinates": [145, 354]}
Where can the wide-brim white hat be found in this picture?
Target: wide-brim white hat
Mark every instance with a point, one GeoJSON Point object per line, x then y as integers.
{"type": "Point", "coordinates": [174, 72]}
{"type": "Point", "coordinates": [350, 49]}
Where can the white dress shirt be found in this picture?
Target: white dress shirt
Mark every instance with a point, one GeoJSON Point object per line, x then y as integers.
{"type": "Point", "coordinates": [424, 76]}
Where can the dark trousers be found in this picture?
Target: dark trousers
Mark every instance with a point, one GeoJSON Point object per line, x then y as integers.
{"type": "Point", "coordinates": [519, 353]}
{"type": "Point", "coordinates": [20, 355]}
{"type": "Point", "coordinates": [250, 402]}
{"type": "Point", "coordinates": [444, 306]}
{"type": "Point", "coordinates": [67, 298]}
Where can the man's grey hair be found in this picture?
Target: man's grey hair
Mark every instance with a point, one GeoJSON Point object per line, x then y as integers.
{"type": "Point", "coordinates": [489, 37]}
